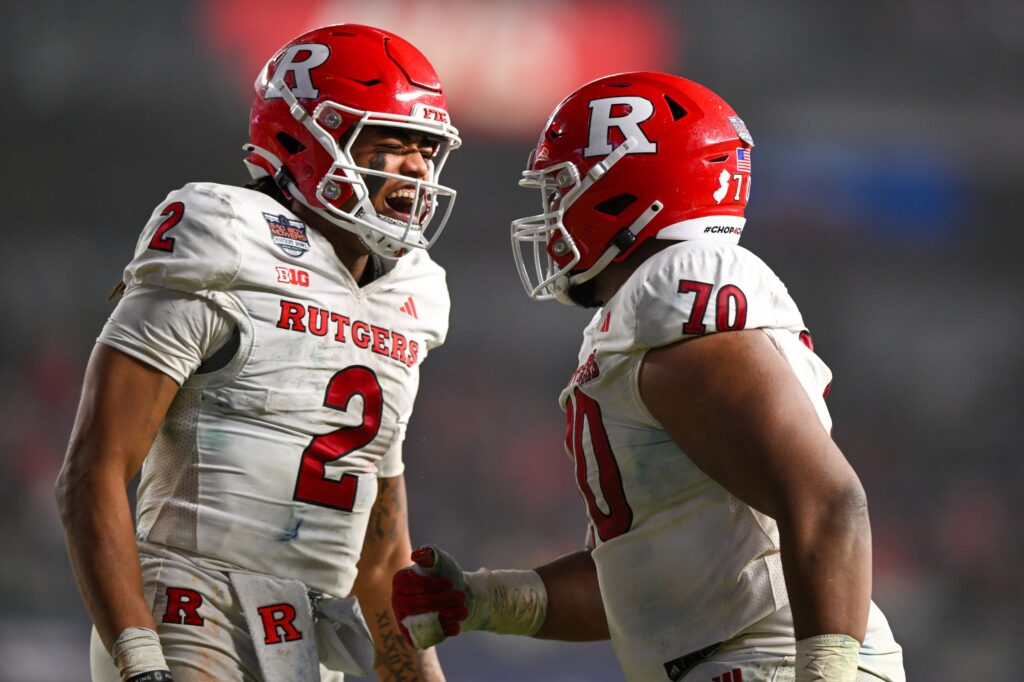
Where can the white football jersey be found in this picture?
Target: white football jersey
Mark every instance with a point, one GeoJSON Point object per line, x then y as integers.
{"type": "Point", "coordinates": [270, 463]}
{"type": "Point", "coordinates": [682, 564]}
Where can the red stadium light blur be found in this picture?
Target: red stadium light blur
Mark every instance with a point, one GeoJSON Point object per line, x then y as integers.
{"type": "Point", "coordinates": [505, 65]}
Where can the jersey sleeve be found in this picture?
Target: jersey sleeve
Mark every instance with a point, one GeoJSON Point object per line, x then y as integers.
{"type": "Point", "coordinates": [439, 332]}
{"type": "Point", "coordinates": [168, 330]}
{"type": "Point", "coordinates": [698, 288]}
{"type": "Point", "coordinates": [190, 243]}
{"type": "Point", "coordinates": [391, 463]}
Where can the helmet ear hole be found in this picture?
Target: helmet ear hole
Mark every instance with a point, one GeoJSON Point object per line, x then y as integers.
{"type": "Point", "coordinates": [615, 205]}
{"type": "Point", "coordinates": [291, 145]}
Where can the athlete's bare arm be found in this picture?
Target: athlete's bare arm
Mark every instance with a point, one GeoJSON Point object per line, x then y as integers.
{"type": "Point", "coordinates": [734, 406]}
{"type": "Point", "coordinates": [123, 404]}
{"type": "Point", "coordinates": [386, 550]}
{"type": "Point", "coordinates": [575, 612]}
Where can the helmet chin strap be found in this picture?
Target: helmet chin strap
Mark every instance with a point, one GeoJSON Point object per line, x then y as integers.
{"type": "Point", "coordinates": [622, 241]}
{"type": "Point", "coordinates": [281, 176]}
{"type": "Point", "coordinates": [257, 171]}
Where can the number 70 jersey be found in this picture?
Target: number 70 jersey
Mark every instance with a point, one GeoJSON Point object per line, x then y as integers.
{"type": "Point", "coordinates": [270, 463]}
{"type": "Point", "coordinates": [682, 564]}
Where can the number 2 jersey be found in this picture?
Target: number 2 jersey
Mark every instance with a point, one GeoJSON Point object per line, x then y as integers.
{"type": "Point", "coordinates": [682, 564]}
{"type": "Point", "coordinates": [296, 383]}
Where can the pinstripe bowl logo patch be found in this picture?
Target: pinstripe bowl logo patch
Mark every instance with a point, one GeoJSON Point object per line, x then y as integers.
{"type": "Point", "coordinates": [289, 235]}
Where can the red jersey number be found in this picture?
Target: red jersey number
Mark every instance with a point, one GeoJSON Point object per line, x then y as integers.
{"type": "Point", "coordinates": [730, 306]}
{"type": "Point", "coordinates": [583, 412]}
{"type": "Point", "coordinates": [312, 485]}
{"type": "Point", "coordinates": [174, 213]}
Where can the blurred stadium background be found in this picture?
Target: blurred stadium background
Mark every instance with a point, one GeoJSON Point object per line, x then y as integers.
{"type": "Point", "coordinates": [888, 190]}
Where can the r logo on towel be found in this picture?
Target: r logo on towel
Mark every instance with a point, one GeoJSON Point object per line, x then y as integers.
{"type": "Point", "coordinates": [278, 620]}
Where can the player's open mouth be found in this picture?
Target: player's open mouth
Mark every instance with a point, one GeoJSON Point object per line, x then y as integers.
{"type": "Point", "coordinates": [400, 203]}
{"type": "Point", "coordinates": [401, 200]}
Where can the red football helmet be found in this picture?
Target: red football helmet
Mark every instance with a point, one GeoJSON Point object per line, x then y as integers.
{"type": "Point", "coordinates": [624, 159]}
{"type": "Point", "coordinates": [311, 101]}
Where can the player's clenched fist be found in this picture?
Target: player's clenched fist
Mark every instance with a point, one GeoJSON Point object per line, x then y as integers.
{"type": "Point", "coordinates": [434, 599]}
{"type": "Point", "coordinates": [430, 598]}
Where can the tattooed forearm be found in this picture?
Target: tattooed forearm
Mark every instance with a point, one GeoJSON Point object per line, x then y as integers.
{"type": "Point", "coordinates": [386, 550]}
{"type": "Point", "coordinates": [394, 662]}
{"type": "Point", "coordinates": [397, 662]}
{"type": "Point", "coordinates": [387, 513]}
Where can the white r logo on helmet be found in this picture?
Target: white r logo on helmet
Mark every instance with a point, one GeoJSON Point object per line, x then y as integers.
{"type": "Point", "coordinates": [637, 111]}
{"type": "Point", "coordinates": [312, 55]}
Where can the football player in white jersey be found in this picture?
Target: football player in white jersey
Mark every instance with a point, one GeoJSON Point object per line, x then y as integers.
{"type": "Point", "coordinates": [261, 369]}
{"type": "Point", "coordinates": [728, 535]}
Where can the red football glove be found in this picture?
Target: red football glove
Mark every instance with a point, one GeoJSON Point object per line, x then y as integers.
{"type": "Point", "coordinates": [430, 599]}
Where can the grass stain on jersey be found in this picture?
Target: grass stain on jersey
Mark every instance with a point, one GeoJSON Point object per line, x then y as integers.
{"type": "Point", "coordinates": [214, 440]}
{"type": "Point", "coordinates": [291, 533]}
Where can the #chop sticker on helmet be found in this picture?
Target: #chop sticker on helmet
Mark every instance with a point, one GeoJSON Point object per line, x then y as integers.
{"type": "Point", "coordinates": [289, 235]}
{"type": "Point", "coordinates": [741, 129]}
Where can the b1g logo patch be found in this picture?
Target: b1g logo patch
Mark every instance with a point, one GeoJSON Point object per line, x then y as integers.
{"type": "Point", "coordinates": [289, 235]}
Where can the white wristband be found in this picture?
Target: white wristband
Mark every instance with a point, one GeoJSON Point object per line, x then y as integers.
{"type": "Point", "coordinates": [827, 658]}
{"type": "Point", "coordinates": [506, 602]}
{"type": "Point", "coordinates": [137, 650]}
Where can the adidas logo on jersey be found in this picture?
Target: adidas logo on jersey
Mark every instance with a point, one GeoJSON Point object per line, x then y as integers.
{"type": "Point", "coordinates": [409, 308]}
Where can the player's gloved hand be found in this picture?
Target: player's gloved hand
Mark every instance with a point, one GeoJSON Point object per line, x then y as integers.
{"type": "Point", "coordinates": [435, 599]}
{"type": "Point", "coordinates": [430, 599]}
{"type": "Point", "coordinates": [139, 657]}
